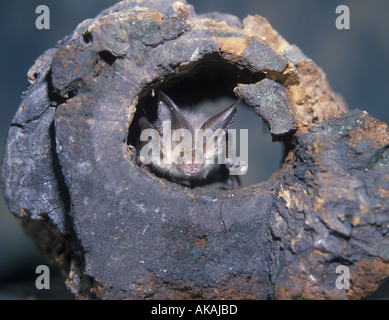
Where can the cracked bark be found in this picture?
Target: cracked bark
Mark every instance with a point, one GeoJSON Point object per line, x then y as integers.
{"type": "Point", "coordinates": [120, 232]}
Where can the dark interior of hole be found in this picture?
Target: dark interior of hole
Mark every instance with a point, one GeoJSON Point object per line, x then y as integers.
{"type": "Point", "coordinates": [107, 56]}
{"type": "Point", "coordinates": [212, 80]}
{"type": "Point", "coordinates": [87, 36]}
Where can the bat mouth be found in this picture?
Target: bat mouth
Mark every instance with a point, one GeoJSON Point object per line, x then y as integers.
{"type": "Point", "coordinates": [191, 168]}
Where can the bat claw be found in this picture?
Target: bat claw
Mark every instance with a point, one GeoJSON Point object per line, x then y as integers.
{"type": "Point", "coordinates": [232, 182]}
{"type": "Point", "coordinates": [134, 155]}
{"type": "Point", "coordinates": [233, 165]}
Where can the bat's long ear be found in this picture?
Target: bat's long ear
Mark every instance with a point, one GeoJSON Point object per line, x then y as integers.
{"type": "Point", "coordinates": [222, 120]}
{"type": "Point", "coordinates": [168, 111]}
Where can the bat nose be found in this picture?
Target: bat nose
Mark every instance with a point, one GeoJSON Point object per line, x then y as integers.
{"type": "Point", "coordinates": [192, 168]}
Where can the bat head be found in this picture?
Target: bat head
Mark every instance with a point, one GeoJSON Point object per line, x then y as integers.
{"type": "Point", "coordinates": [190, 141]}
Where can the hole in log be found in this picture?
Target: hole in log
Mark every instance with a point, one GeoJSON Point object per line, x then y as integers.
{"type": "Point", "coordinates": [87, 37]}
{"type": "Point", "coordinates": [107, 57]}
{"type": "Point", "coordinates": [207, 86]}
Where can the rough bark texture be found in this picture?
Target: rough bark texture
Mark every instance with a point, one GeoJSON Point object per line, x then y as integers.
{"type": "Point", "coordinates": [120, 232]}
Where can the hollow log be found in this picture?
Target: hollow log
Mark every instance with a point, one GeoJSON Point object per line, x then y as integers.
{"type": "Point", "coordinates": [120, 232]}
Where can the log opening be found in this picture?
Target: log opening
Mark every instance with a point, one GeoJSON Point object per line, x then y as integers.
{"type": "Point", "coordinates": [208, 86]}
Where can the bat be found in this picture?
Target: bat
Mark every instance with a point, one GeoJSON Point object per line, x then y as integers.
{"type": "Point", "coordinates": [178, 149]}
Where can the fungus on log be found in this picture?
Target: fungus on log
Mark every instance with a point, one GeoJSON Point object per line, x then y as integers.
{"type": "Point", "coordinates": [118, 231]}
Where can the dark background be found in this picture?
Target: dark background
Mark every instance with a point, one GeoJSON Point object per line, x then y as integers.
{"type": "Point", "coordinates": [356, 62]}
